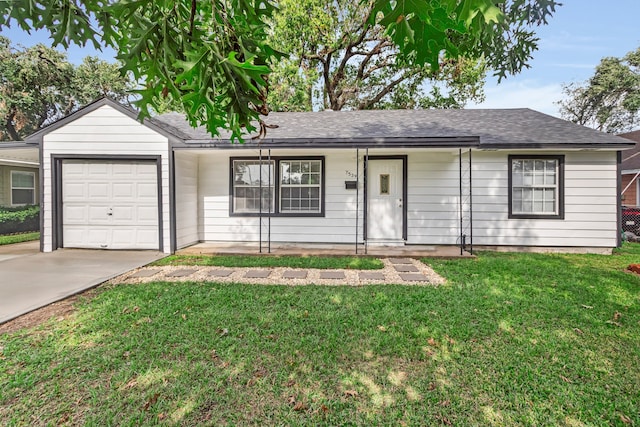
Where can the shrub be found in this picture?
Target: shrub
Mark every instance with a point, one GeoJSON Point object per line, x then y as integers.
{"type": "Point", "coordinates": [19, 219]}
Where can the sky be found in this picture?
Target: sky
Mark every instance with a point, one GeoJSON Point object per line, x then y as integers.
{"type": "Point", "coordinates": [580, 33]}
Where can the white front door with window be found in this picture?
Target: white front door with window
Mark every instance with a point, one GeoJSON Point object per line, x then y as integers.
{"type": "Point", "coordinates": [110, 204]}
{"type": "Point", "coordinates": [384, 200]}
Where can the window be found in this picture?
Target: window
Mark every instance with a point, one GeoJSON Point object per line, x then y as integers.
{"type": "Point", "coordinates": [23, 190]}
{"type": "Point", "coordinates": [250, 178]}
{"type": "Point", "coordinates": [536, 187]}
{"type": "Point", "coordinates": [290, 186]}
{"type": "Point", "coordinates": [300, 185]}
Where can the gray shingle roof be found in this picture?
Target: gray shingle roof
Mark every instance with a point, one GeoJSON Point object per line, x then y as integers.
{"type": "Point", "coordinates": [489, 128]}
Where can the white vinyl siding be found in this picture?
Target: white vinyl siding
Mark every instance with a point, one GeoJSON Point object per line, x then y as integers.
{"type": "Point", "coordinates": [104, 133]}
{"type": "Point", "coordinates": [337, 224]}
{"type": "Point", "coordinates": [590, 204]}
{"type": "Point", "coordinates": [432, 201]}
{"type": "Point", "coordinates": [186, 197]}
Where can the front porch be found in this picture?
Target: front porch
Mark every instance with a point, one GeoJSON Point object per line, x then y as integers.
{"type": "Point", "coordinates": [323, 249]}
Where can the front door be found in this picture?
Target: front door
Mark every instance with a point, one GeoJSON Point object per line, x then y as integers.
{"type": "Point", "coordinates": [384, 200]}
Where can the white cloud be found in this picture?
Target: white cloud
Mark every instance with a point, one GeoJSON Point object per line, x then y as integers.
{"type": "Point", "coordinates": [523, 94]}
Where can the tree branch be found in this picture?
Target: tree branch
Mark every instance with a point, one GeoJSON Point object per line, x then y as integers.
{"type": "Point", "coordinates": [366, 104]}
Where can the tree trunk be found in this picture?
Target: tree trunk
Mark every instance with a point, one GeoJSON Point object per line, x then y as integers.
{"type": "Point", "coordinates": [11, 130]}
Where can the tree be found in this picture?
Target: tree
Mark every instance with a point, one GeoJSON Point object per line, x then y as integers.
{"type": "Point", "coordinates": [335, 50]}
{"type": "Point", "coordinates": [212, 56]}
{"type": "Point", "coordinates": [608, 101]}
{"type": "Point", "coordinates": [38, 85]}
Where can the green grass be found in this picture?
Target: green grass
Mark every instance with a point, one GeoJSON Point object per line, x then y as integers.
{"type": "Point", "coordinates": [513, 339]}
{"type": "Point", "coordinates": [356, 263]}
{"type": "Point", "coordinates": [17, 238]}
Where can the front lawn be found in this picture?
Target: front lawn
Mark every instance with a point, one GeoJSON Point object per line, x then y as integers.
{"type": "Point", "coordinates": [513, 339]}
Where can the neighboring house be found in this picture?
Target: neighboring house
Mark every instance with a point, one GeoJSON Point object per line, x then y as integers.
{"type": "Point", "coordinates": [19, 174]}
{"type": "Point", "coordinates": [514, 178]}
{"type": "Point", "coordinates": [631, 171]}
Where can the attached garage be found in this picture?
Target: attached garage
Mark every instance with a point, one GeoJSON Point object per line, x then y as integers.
{"type": "Point", "coordinates": [107, 204]}
{"type": "Point", "coordinates": [106, 181]}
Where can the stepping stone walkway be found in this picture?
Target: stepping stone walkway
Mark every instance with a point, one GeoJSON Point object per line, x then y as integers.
{"type": "Point", "coordinates": [182, 273]}
{"type": "Point", "coordinates": [257, 274]}
{"type": "Point", "coordinates": [413, 277]}
{"type": "Point", "coordinates": [333, 275]}
{"type": "Point", "coordinates": [220, 273]}
{"type": "Point", "coordinates": [396, 261]}
{"type": "Point", "coordinates": [395, 271]}
{"type": "Point", "coordinates": [295, 274]}
{"type": "Point", "coordinates": [146, 273]}
{"type": "Point", "coordinates": [405, 268]}
{"type": "Point", "coordinates": [365, 275]}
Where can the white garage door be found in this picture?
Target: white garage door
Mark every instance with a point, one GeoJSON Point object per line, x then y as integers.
{"type": "Point", "coordinates": [109, 204]}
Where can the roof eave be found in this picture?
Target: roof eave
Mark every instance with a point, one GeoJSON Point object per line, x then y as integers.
{"type": "Point", "coordinates": [310, 143]}
{"type": "Point", "coordinates": [556, 146]}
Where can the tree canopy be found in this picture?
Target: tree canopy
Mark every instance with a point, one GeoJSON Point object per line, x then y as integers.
{"type": "Point", "coordinates": [212, 56]}
{"type": "Point", "coordinates": [339, 59]}
{"type": "Point", "coordinates": [38, 85]}
{"type": "Point", "coordinates": [610, 99]}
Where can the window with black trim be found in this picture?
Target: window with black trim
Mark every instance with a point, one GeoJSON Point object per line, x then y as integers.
{"type": "Point", "coordinates": [23, 188]}
{"type": "Point", "coordinates": [253, 186]}
{"type": "Point", "coordinates": [536, 186]}
{"type": "Point", "coordinates": [282, 186]}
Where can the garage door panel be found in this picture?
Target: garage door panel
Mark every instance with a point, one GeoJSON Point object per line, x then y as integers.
{"type": "Point", "coordinates": [75, 214]}
{"type": "Point", "coordinates": [74, 191]}
{"type": "Point", "coordinates": [146, 190]}
{"type": "Point", "coordinates": [124, 213]}
{"type": "Point", "coordinates": [98, 191]}
{"type": "Point", "coordinates": [98, 214]}
{"type": "Point", "coordinates": [97, 169]}
{"type": "Point", "coordinates": [121, 237]}
{"type": "Point", "coordinates": [110, 204]}
{"type": "Point", "coordinates": [123, 190]}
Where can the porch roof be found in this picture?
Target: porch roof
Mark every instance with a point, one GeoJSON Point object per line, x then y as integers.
{"type": "Point", "coordinates": [482, 128]}
{"type": "Point", "coordinates": [19, 154]}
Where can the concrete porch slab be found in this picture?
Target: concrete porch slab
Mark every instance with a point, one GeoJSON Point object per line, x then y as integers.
{"type": "Point", "coordinates": [324, 249]}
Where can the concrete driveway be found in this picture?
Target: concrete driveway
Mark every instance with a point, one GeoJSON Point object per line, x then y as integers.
{"type": "Point", "coordinates": [30, 279]}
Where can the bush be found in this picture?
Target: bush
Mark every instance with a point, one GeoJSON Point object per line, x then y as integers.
{"type": "Point", "coordinates": [19, 219]}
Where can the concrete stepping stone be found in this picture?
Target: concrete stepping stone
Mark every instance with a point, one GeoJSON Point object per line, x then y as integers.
{"type": "Point", "coordinates": [371, 276]}
{"type": "Point", "coordinates": [404, 268]}
{"type": "Point", "coordinates": [414, 277]}
{"type": "Point", "coordinates": [333, 275]}
{"type": "Point", "coordinates": [295, 274]}
{"type": "Point", "coordinates": [220, 273]}
{"type": "Point", "coordinates": [182, 272]}
{"type": "Point", "coordinates": [257, 274]}
{"type": "Point", "coordinates": [400, 261]}
{"type": "Point", "coordinates": [145, 273]}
